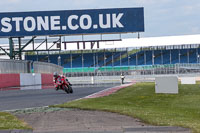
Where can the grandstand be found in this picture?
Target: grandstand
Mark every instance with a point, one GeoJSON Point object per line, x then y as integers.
{"type": "Point", "coordinates": [162, 52]}
{"type": "Point", "coordinates": [122, 58]}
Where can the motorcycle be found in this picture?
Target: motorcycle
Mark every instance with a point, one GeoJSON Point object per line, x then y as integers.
{"type": "Point", "coordinates": [63, 84]}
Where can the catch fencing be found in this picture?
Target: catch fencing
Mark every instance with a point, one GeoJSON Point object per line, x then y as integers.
{"type": "Point", "coordinates": [134, 73]}
{"type": "Point", "coordinates": [145, 70]}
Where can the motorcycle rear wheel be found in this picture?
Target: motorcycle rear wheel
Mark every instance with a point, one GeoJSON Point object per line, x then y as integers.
{"type": "Point", "coordinates": [66, 89]}
{"type": "Point", "coordinates": [70, 89]}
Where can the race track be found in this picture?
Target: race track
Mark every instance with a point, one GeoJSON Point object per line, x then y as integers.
{"type": "Point", "coordinates": [18, 99]}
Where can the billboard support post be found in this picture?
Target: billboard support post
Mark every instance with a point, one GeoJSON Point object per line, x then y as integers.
{"type": "Point", "coordinates": [20, 52]}
{"type": "Point", "coordinates": [11, 47]}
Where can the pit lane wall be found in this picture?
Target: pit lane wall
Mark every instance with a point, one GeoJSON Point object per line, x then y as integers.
{"type": "Point", "coordinates": [25, 81]}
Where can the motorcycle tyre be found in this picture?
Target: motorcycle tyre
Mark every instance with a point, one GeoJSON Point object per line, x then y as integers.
{"type": "Point", "coordinates": [66, 89]}
{"type": "Point", "coordinates": [70, 89]}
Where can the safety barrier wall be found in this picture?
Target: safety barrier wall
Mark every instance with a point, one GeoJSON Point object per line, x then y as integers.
{"type": "Point", "coordinates": [9, 80]}
{"type": "Point", "coordinates": [47, 81]}
{"type": "Point", "coordinates": [43, 67]}
{"type": "Point", "coordinates": [26, 81]}
{"type": "Point", "coordinates": [18, 66]}
{"type": "Point", "coordinates": [14, 66]}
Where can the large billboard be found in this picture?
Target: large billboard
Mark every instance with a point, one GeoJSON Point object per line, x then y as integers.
{"type": "Point", "coordinates": [72, 22]}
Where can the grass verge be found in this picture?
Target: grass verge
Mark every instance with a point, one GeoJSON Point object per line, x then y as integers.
{"type": "Point", "coordinates": [9, 122]}
{"type": "Point", "coordinates": [141, 102]}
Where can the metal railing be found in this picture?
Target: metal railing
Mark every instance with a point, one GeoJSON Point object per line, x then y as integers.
{"type": "Point", "coordinates": [19, 66]}
{"type": "Point", "coordinates": [167, 69]}
{"type": "Point", "coordinates": [135, 73]}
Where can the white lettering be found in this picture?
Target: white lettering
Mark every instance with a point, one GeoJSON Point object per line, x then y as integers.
{"type": "Point", "coordinates": [116, 20]}
{"type": "Point", "coordinates": [101, 22]}
{"type": "Point", "coordinates": [50, 23]}
{"type": "Point", "coordinates": [43, 23]}
{"type": "Point", "coordinates": [17, 22]}
{"type": "Point", "coordinates": [89, 22]}
{"type": "Point", "coordinates": [72, 27]}
{"type": "Point", "coordinates": [33, 24]}
{"type": "Point", "coordinates": [55, 22]}
{"type": "Point", "coordinates": [7, 27]}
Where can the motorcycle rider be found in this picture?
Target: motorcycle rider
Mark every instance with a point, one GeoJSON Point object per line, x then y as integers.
{"type": "Point", "coordinates": [57, 78]}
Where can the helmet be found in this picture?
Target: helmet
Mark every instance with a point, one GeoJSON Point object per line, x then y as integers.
{"type": "Point", "coordinates": [55, 74]}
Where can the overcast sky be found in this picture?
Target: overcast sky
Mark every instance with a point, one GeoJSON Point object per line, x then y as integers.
{"type": "Point", "coordinates": [162, 17]}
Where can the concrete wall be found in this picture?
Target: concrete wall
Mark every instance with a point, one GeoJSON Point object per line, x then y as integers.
{"type": "Point", "coordinates": [10, 80]}
{"type": "Point", "coordinates": [47, 81]}
{"type": "Point", "coordinates": [26, 81]}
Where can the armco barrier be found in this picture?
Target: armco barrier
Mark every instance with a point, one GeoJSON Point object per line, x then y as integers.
{"type": "Point", "coordinates": [25, 81]}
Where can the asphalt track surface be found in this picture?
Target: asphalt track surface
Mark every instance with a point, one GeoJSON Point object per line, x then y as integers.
{"type": "Point", "coordinates": [20, 99]}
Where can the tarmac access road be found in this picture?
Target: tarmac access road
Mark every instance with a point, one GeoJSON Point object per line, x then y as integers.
{"type": "Point", "coordinates": [21, 99]}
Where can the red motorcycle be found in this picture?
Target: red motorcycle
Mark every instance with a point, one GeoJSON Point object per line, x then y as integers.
{"type": "Point", "coordinates": [63, 84]}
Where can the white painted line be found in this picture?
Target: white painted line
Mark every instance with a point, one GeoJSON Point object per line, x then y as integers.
{"type": "Point", "coordinates": [24, 109]}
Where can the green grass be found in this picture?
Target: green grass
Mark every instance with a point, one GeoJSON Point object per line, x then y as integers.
{"type": "Point", "coordinates": [8, 121]}
{"type": "Point", "coordinates": [141, 102]}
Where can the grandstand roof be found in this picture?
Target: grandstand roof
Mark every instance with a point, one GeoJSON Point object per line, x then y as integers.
{"type": "Point", "coordinates": [154, 41]}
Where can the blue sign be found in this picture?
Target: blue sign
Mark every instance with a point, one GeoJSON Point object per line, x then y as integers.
{"type": "Point", "coordinates": [72, 22]}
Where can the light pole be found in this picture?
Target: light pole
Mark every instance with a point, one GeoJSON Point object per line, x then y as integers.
{"type": "Point", "coordinates": [153, 59]}
{"type": "Point", "coordinates": [153, 63]}
{"type": "Point", "coordinates": [59, 60]}
{"type": "Point", "coordinates": [129, 60]}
